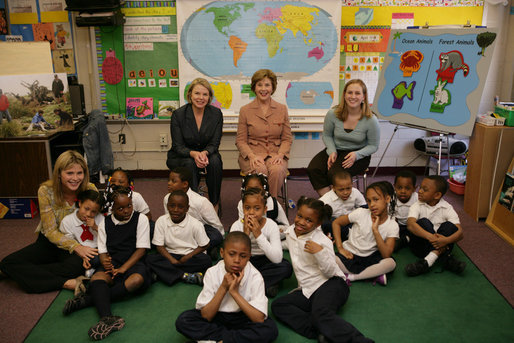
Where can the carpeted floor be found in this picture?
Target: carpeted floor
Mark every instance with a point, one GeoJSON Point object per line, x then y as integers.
{"type": "Point", "coordinates": [437, 307]}
{"type": "Point", "coordinates": [492, 256]}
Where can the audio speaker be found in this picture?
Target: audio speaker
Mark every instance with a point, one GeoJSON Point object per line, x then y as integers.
{"type": "Point", "coordinates": [78, 105]}
{"type": "Point", "coordinates": [431, 145]}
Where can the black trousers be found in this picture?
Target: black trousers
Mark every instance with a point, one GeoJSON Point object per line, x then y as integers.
{"type": "Point", "coordinates": [215, 237]}
{"type": "Point", "coordinates": [212, 178]}
{"type": "Point", "coordinates": [228, 327]}
{"type": "Point", "coordinates": [272, 273]}
{"type": "Point", "coordinates": [41, 266]}
{"type": "Point", "coordinates": [420, 246]}
{"type": "Point", "coordinates": [170, 273]}
{"type": "Point", "coordinates": [318, 314]}
{"type": "Point", "coordinates": [319, 174]}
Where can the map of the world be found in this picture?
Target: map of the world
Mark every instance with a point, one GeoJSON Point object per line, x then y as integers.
{"type": "Point", "coordinates": [231, 40]}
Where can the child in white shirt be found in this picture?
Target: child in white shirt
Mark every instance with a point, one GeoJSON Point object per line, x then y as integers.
{"type": "Point", "coordinates": [264, 233]}
{"type": "Point", "coordinates": [343, 198]}
{"type": "Point", "coordinates": [406, 196]}
{"type": "Point", "coordinates": [123, 238]}
{"type": "Point", "coordinates": [199, 207]}
{"type": "Point", "coordinates": [120, 177]}
{"type": "Point", "coordinates": [367, 252]}
{"type": "Point", "coordinates": [181, 242]}
{"type": "Point", "coordinates": [232, 306]}
{"type": "Point", "coordinates": [274, 211]}
{"type": "Point", "coordinates": [434, 227]}
{"type": "Point", "coordinates": [82, 226]}
{"type": "Point", "coordinates": [311, 310]}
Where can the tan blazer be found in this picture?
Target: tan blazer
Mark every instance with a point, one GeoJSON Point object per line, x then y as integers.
{"type": "Point", "coordinates": [264, 135]}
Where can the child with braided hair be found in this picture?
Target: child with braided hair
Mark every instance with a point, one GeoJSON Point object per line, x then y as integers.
{"type": "Point", "coordinates": [367, 252]}
{"type": "Point", "coordinates": [123, 238]}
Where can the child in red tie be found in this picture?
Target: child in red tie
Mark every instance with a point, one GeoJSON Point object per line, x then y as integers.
{"type": "Point", "coordinates": [82, 225]}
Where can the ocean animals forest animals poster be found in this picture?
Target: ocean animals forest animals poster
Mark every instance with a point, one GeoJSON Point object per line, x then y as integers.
{"type": "Point", "coordinates": [433, 78]}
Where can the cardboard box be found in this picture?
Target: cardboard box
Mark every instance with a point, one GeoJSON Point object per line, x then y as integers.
{"type": "Point", "coordinates": [18, 208]}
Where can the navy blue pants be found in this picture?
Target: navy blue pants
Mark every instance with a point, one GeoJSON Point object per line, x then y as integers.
{"type": "Point", "coordinates": [318, 314]}
{"type": "Point", "coordinates": [326, 226]}
{"type": "Point", "coordinates": [170, 273]}
{"type": "Point", "coordinates": [214, 235]}
{"type": "Point", "coordinates": [420, 246]}
{"type": "Point", "coordinates": [272, 273]}
{"type": "Point", "coordinates": [226, 327]}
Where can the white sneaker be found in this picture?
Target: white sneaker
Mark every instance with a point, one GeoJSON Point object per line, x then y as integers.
{"type": "Point", "coordinates": [89, 272]}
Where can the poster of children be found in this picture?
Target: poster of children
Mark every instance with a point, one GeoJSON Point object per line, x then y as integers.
{"type": "Point", "coordinates": [140, 108]}
{"type": "Point", "coordinates": [34, 104]}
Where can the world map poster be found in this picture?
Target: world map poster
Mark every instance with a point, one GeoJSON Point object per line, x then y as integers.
{"type": "Point", "coordinates": [225, 42]}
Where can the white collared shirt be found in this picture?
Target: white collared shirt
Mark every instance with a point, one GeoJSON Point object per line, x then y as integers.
{"type": "Point", "coordinates": [251, 289]}
{"type": "Point", "coordinates": [143, 233]}
{"type": "Point", "coordinates": [268, 243]}
{"type": "Point", "coordinates": [341, 207]}
{"type": "Point", "coordinates": [281, 217]}
{"type": "Point", "coordinates": [200, 208]}
{"type": "Point", "coordinates": [361, 240]}
{"type": "Point", "coordinates": [71, 227]}
{"type": "Point", "coordinates": [312, 270]}
{"type": "Point", "coordinates": [401, 210]}
{"type": "Point", "coordinates": [179, 238]}
{"type": "Point", "coordinates": [437, 214]}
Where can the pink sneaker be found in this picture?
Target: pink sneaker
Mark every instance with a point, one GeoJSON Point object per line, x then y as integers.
{"type": "Point", "coordinates": [381, 280]}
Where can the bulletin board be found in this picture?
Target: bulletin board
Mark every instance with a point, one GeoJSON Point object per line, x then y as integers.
{"type": "Point", "coordinates": [366, 26]}
{"type": "Point", "coordinates": [138, 62]}
{"type": "Point", "coordinates": [433, 78]}
{"type": "Point", "coordinates": [363, 19]}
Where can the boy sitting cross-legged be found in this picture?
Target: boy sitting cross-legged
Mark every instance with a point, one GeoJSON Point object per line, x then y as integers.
{"type": "Point", "coordinates": [181, 242]}
{"type": "Point", "coordinates": [199, 207]}
{"type": "Point", "coordinates": [434, 227]}
{"type": "Point", "coordinates": [232, 306]}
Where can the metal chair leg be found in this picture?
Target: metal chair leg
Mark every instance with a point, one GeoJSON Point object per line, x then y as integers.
{"type": "Point", "coordinates": [284, 195]}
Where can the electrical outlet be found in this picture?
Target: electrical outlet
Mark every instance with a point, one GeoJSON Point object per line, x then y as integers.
{"type": "Point", "coordinates": [163, 139]}
{"type": "Point", "coordinates": [121, 138]}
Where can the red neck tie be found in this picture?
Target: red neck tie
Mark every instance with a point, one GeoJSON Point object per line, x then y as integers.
{"type": "Point", "coordinates": [86, 234]}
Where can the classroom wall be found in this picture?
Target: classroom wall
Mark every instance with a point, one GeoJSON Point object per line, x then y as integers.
{"type": "Point", "coordinates": [143, 150]}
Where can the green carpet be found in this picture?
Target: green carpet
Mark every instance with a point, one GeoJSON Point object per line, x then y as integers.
{"type": "Point", "coordinates": [435, 307]}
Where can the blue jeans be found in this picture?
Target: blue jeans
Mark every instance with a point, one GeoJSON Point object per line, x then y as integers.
{"type": "Point", "coordinates": [7, 115]}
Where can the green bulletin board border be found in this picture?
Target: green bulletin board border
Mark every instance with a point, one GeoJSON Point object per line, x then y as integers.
{"type": "Point", "coordinates": [113, 97]}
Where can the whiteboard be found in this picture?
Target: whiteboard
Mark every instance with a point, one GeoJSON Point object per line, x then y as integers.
{"type": "Point", "coordinates": [433, 79]}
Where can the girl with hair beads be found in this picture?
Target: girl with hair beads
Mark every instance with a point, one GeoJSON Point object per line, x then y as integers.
{"type": "Point", "coordinates": [123, 238]}
{"type": "Point", "coordinates": [311, 310]}
{"type": "Point", "coordinates": [367, 252]}
{"type": "Point", "coordinates": [274, 211]}
{"type": "Point", "coordinates": [267, 254]}
{"type": "Point", "coordinates": [120, 177]}
{"type": "Point", "coordinates": [82, 226]}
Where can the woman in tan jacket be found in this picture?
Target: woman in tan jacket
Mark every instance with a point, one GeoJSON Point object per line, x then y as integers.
{"type": "Point", "coordinates": [263, 133]}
